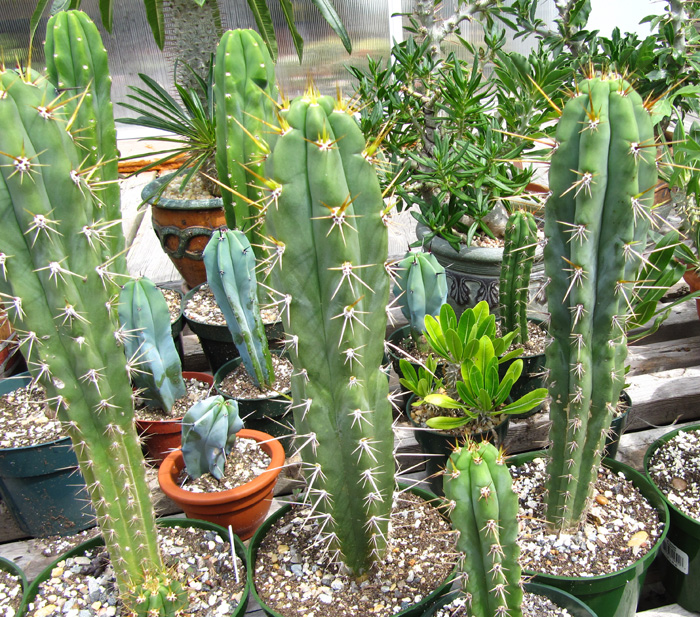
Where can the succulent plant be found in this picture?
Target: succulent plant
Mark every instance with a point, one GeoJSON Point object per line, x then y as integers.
{"type": "Point", "coordinates": [230, 264]}
{"type": "Point", "coordinates": [421, 289]}
{"type": "Point", "coordinates": [484, 510]}
{"type": "Point", "coordinates": [245, 98]}
{"type": "Point", "coordinates": [83, 73]}
{"type": "Point", "coordinates": [208, 433]}
{"type": "Point", "coordinates": [520, 243]}
{"type": "Point", "coordinates": [602, 177]}
{"type": "Point", "coordinates": [143, 313]}
{"type": "Point", "coordinates": [62, 298]}
{"type": "Point", "coordinates": [326, 218]}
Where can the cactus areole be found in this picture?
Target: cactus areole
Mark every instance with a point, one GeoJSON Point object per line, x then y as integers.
{"type": "Point", "coordinates": [602, 178]}
{"type": "Point", "coordinates": [326, 221]}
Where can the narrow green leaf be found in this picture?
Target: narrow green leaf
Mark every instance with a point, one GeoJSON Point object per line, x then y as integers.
{"type": "Point", "coordinates": [443, 401]}
{"type": "Point", "coordinates": [329, 14]}
{"type": "Point", "coordinates": [154, 16]}
{"type": "Point", "coordinates": [263, 19]}
{"type": "Point", "coordinates": [526, 402]}
{"type": "Point", "coordinates": [288, 11]}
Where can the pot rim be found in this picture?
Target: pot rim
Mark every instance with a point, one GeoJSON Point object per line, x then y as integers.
{"type": "Point", "coordinates": [200, 376]}
{"type": "Point", "coordinates": [148, 192]}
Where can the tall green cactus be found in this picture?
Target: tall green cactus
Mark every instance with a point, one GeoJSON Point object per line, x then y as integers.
{"type": "Point", "coordinates": [602, 177]}
{"type": "Point", "coordinates": [230, 264]}
{"type": "Point", "coordinates": [421, 289]}
{"type": "Point", "coordinates": [484, 511]}
{"type": "Point", "coordinates": [76, 62]}
{"type": "Point", "coordinates": [326, 217]}
{"type": "Point", "coordinates": [62, 299]}
{"type": "Point", "coordinates": [246, 95]}
{"type": "Point", "coordinates": [520, 243]}
{"type": "Point", "coordinates": [143, 312]}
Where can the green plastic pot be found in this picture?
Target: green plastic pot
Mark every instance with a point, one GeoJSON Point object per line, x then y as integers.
{"type": "Point", "coordinates": [42, 485]}
{"type": "Point", "coordinates": [45, 574]}
{"type": "Point", "coordinates": [10, 566]}
{"type": "Point", "coordinates": [681, 549]}
{"type": "Point", "coordinates": [617, 428]}
{"type": "Point", "coordinates": [269, 415]}
{"type": "Point", "coordinates": [616, 594]}
{"type": "Point", "coordinates": [562, 599]}
{"type": "Point", "coordinates": [438, 445]}
{"type": "Point", "coordinates": [416, 610]}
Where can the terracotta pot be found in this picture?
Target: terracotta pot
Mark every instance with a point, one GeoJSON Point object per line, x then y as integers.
{"type": "Point", "coordinates": [161, 437]}
{"type": "Point", "coordinates": [184, 227]}
{"type": "Point", "coordinates": [11, 360]}
{"type": "Point", "coordinates": [693, 279]}
{"type": "Point", "coordinates": [244, 507]}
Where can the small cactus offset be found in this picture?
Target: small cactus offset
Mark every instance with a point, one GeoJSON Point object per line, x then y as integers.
{"type": "Point", "coordinates": [143, 313]}
{"type": "Point", "coordinates": [520, 242]}
{"type": "Point", "coordinates": [76, 62]}
{"type": "Point", "coordinates": [230, 264]}
{"type": "Point", "coordinates": [421, 289]}
{"type": "Point", "coordinates": [246, 96]}
{"type": "Point", "coordinates": [484, 510]}
{"type": "Point", "coordinates": [326, 218]}
{"type": "Point", "coordinates": [61, 297]}
{"type": "Point", "coordinates": [208, 433]}
{"type": "Point", "coordinates": [602, 177]}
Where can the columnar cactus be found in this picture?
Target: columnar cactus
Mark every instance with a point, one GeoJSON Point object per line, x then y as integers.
{"type": "Point", "coordinates": [326, 219]}
{"type": "Point", "coordinates": [484, 511]}
{"type": "Point", "coordinates": [61, 297]}
{"type": "Point", "coordinates": [246, 95]}
{"type": "Point", "coordinates": [602, 178]}
{"type": "Point", "coordinates": [143, 313]}
{"type": "Point", "coordinates": [76, 62]}
{"type": "Point", "coordinates": [421, 289]}
{"type": "Point", "coordinates": [230, 264]}
{"type": "Point", "coordinates": [520, 242]}
{"type": "Point", "coordinates": [208, 433]}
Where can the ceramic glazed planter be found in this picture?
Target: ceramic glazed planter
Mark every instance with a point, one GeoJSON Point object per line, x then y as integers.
{"type": "Point", "coordinates": [244, 507]}
{"type": "Point", "coordinates": [416, 610]}
{"type": "Point", "coordinates": [161, 437]}
{"type": "Point", "coordinates": [41, 485]}
{"type": "Point", "coordinates": [12, 568]}
{"type": "Point", "coordinates": [183, 227]}
{"type": "Point", "coordinates": [681, 549]}
{"type": "Point", "coordinates": [473, 272]}
{"type": "Point", "coordinates": [615, 594]}
{"type": "Point", "coordinates": [573, 605]}
{"type": "Point", "coordinates": [165, 522]}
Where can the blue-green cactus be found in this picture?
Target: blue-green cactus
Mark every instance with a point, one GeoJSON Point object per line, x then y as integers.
{"type": "Point", "coordinates": [208, 433]}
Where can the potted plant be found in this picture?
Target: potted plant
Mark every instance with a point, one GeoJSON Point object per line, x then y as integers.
{"type": "Point", "coordinates": [209, 432]}
{"type": "Point", "coordinates": [13, 585]}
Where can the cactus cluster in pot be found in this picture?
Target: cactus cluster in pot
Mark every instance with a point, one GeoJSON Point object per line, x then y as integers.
{"type": "Point", "coordinates": [327, 220]}
{"type": "Point", "coordinates": [61, 297]}
{"type": "Point", "coordinates": [602, 177]}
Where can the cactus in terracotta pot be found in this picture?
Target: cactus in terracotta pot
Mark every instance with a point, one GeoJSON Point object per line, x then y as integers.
{"type": "Point", "coordinates": [602, 178]}
{"type": "Point", "coordinates": [60, 295]}
{"type": "Point", "coordinates": [326, 218]}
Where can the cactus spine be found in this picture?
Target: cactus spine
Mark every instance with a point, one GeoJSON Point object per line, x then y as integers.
{"type": "Point", "coordinates": [61, 298]}
{"type": "Point", "coordinates": [230, 264]}
{"type": "Point", "coordinates": [208, 433]}
{"type": "Point", "coordinates": [143, 312]}
{"type": "Point", "coordinates": [76, 61]}
{"type": "Point", "coordinates": [326, 217]}
{"type": "Point", "coordinates": [245, 94]}
{"type": "Point", "coordinates": [602, 177]}
{"type": "Point", "coordinates": [520, 242]}
{"type": "Point", "coordinates": [421, 289]}
{"type": "Point", "coordinates": [484, 511]}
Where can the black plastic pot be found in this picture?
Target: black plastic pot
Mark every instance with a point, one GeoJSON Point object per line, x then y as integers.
{"type": "Point", "coordinates": [42, 485]}
{"type": "Point", "coordinates": [438, 445]}
{"type": "Point", "coordinates": [681, 549]}
{"type": "Point", "coordinates": [616, 594]}
{"type": "Point", "coordinates": [416, 610]}
{"type": "Point", "coordinates": [562, 599]}
{"type": "Point", "coordinates": [617, 427]}
{"type": "Point", "coordinates": [165, 522]}
{"type": "Point", "coordinates": [10, 566]}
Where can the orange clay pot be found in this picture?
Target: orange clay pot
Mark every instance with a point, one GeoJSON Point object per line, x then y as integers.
{"type": "Point", "coordinates": [691, 277]}
{"type": "Point", "coordinates": [244, 507]}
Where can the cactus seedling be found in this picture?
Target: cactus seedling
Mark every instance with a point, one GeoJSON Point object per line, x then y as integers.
{"type": "Point", "coordinates": [421, 289]}
{"type": "Point", "coordinates": [602, 178]}
{"type": "Point", "coordinates": [484, 510]}
{"type": "Point", "coordinates": [208, 433]}
{"type": "Point", "coordinates": [143, 312]}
